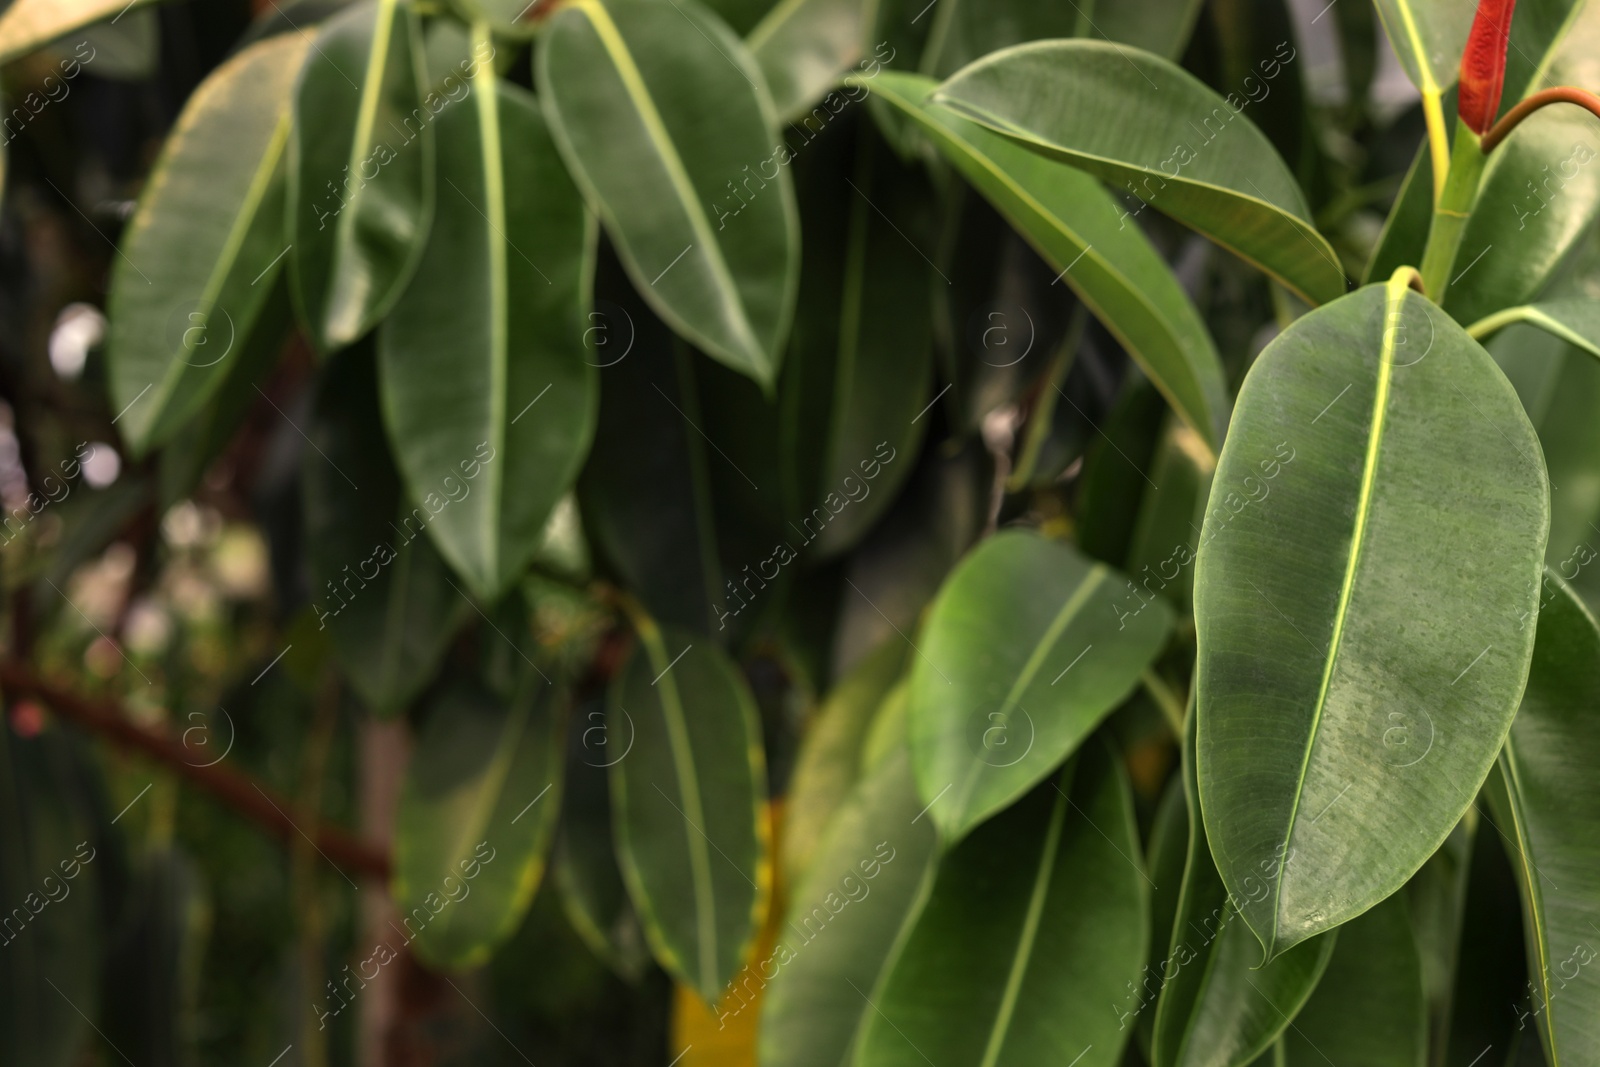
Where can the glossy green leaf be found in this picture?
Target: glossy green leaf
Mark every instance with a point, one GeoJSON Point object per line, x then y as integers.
{"type": "Point", "coordinates": [197, 262]}
{"type": "Point", "coordinates": [28, 25]}
{"type": "Point", "coordinates": [1218, 1007]}
{"type": "Point", "coordinates": [805, 46]}
{"type": "Point", "coordinates": [1079, 229]}
{"type": "Point", "coordinates": [1034, 924]}
{"type": "Point", "coordinates": [686, 805]}
{"type": "Point", "coordinates": [1575, 320]}
{"type": "Point", "coordinates": [361, 170]}
{"type": "Point", "coordinates": [1546, 803]}
{"type": "Point", "coordinates": [378, 585]}
{"type": "Point", "coordinates": [488, 395]}
{"type": "Point", "coordinates": [848, 917]}
{"type": "Point", "coordinates": [477, 813]}
{"type": "Point", "coordinates": [1540, 191]}
{"type": "Point", "coordinates": [1428, 37]}
{"type": "Point", "coordinates": [1369, 1007]}
{"type": "Point", "coordinates": [1125, 116]}
{"type": "Point", "coordinates": [1376, 526]}
{"type": "Point", "coordinates": [627, 87]}
{"type": "Point", "coordinates": [1028, 646]}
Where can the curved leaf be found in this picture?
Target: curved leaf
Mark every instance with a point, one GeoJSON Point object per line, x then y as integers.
{"type": "Point", "coordinates": [1575, 320]}
{"type": "Point", "coordinates": [849, 916]}
{"type": "Point", "coordinates": [805, 46]}
{"type": "Point", "coordinates": [1074, 224]}
{"type": "Point", "coordinates": [1375, 666]}
{"type": "Point", "coordinates": [1546, 803]}
{"type": "Point", "coordinates": [477, 811]}
{"type": "Point", "coordinates": [628, 87]}
{"type": "Point", "coordinates": [1125, 116]}
{"type": "Point", "coordinates": [361, 173]}
{"type": "Point", "coordinates": [1028, 646]}
{"type": "Point", "coordinates": [686, 805]}
{"type": "Point", "coordinates": [1428, 37]}
{"type": "Point", "coordinates": [28, 25]}
{"type": "Point", "coordinates": [197, 261]}
{"type": "Point", "coordinates": [487, 392]}
{"type": "Point", "coordinates": [1033, 925]}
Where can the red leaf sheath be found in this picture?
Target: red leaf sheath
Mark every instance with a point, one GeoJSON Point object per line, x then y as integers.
{"type": "Point", "coordinates": [1483, 65]}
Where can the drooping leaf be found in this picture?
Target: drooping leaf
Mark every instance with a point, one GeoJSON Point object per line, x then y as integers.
{"type": "Point", "coordinates": [378, 584]}
{"type": "Point", "coordinates": [1427, 36]}
{"type": "Point", "coordinates": [805, 46]}
{"type": "Point", "coordinates": [686, 805]}
{"type": "Point", "coordinates": [1033, 925]}
{"type": "Point", "coordinates": [1368, 1008]}
{"type": "Point", "coordinates": [1575, 320]}
{"type": "Point", "coordinates": [848, 918]}
{"type": "Point", "coordinates": [1125, 116]}
{"type": "Point", "coordinates": [1027, 647]}
{"type": "Point", "coordinates": [477, 813]}
{"type": "Point", "coordinates": [1102, 256]}
{"type": "Point", "coordinates": [483, 363]}
{"type": "Point", "coordinates": [1546, 802]}
{"type": "Point", "coordinates": [1217, 1008]}
{"type": "Point", "coordinates": [628, 87]}
{"type": "Point", "coordinates": [197, 261]}
{"type": "Point", "coordinates": [361, 170]}
{"type": "Point", "coordinates": [1417, 508]}
{"type": "Point", "coordinates": [27, 25]}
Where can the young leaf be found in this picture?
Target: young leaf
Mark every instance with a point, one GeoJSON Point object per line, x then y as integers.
{"type": "Point", "coordinates": [805, 46]}
{"type": "Point", "coordinates": [197, 262]}
{"type": "Point", "coordinates": [1417, 509]}
{"type": "Point", "coordinates": [1033, 925]}
{"type": "Point", "coordinates": [1027, 647]}
{"type": "Point", "coordinates": [361, 173]}
{"type": "Point", "coordinates": [1125, 117]}
{"type": "Point", "coordinates": [488, 397]}
{"type": "Point", "coordinates": [628, 86]}
{"type": "Point", "coordinates": [686, 805]}
{"type": "Point", "coordinates": [1546, 803]}
{"type": "Point", "coordinates": [849, 915]}
{"type": "Point", "coordinates": [477, 813]}
{"type": "Point", "coordinates": [28, 25]}
{"type": "Point", "coordinates": [1075, 224]}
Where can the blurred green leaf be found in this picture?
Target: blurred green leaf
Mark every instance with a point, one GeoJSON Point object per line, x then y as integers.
{"type": "Point", "coordinates": [27, 25]}
{"type": "Point", "coordinates": [805, 46]}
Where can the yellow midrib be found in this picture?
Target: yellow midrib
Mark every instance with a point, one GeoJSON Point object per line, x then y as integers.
{"type": "Point", "coordinates": [485, 89]}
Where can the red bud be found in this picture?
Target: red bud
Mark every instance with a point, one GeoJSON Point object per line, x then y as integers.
{"type": "Point", "coordinates": [1483, 65]}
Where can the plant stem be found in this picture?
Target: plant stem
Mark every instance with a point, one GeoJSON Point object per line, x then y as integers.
{"type": "Point", "coordinates": [1165, 699]}
{"type": "Point", "coordinates": [1039, 420]}
{"type": "Point", "coordinates": [1438, 142]}
{"type": "Point", "coordinates": [1451, 211]}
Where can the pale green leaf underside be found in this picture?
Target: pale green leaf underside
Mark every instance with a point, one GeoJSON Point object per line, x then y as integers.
{"type": "Point", "coordinates": [1576, 321]}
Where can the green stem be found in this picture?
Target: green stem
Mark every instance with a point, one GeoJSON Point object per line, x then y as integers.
{"type": "Point", "coordinates": [1451, 212]}
{"type": "Point", "coordinates": [1165, 699]}
{"type": "Point", "coordinates": [1043, 414]}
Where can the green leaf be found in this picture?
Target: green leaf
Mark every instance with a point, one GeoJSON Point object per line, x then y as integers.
{"type": "Point", "coordinates": [1428, 37]}
{"type": "Point", "coordinates": [486, 386]}
{"type": "Point", "coordinates": [686, 805]}
{"type": "Point", "coordinates": [477, 813]}
{"type": "Point", "coordinates": [361, 170]}
{"type": "Point", "coordinates": [1218, 1008]}
{"type": "Point", "coordinates": [1166, 852]}
{"type": "Point", "coordinates": [1417, 509]}
{"type": "Point", "coordinates": [1575, 320]}
{"type": "Point", "coordinates": [1034, 924]}
{"type": "Point", "coordinates": [28, 25]}
{"type": "Point", "coordinates": [378, 584]}
{"type": "Point", "coordinates": [804, 46]}
{"type": "Point", "coordinates": [197, 262]}
{"type": "Point", "coordinates": [627, 87]}
{"type": "Point", "coordinates": [964, 30]}
{"type": "Point", "coordinates": [1127, 117]}
{"type": "Point", "coordinates": [1077, 227]}
{"type": "Point", "coordinates": [1160, 26]}
{"type": "Point", "coordinates": [849, 915]}
{"type": "Point", "coordinates": [1369, 1007]}
{"type": "Point", "coordinates": [1405, 231]}
{"type": "Point", "coordinates": [1546, 803]}
{"type": "Point", "coordinates": [1028, 646]}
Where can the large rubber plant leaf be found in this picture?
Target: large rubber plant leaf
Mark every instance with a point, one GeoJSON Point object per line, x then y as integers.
{"type": "Point", "coordinates": [1427, 36]}
{"type": "Point", "coordinates": [1033, 926]}
{"type": "Point", "coordinates": [378, 585]}
{"type": "Point", "coordinates": [197, 262]}
{"type": "Point", "coordinates": [478, 809]}
{"type": "Point", "coordinates": [1361, 617]}
{"type": "Point", "coordinates": [1127, 117]}
{"type": "Point", "coordinates": [1546, 803]}
{"type": "Point", "coordinates": [1101, 255]}
{"type": "Point", "coordinates": [1027, 647]}
{"type": "Point", "coordinates": [488, 396]}
{"type": "Point", "coordinates": [805, 46]}
{"type": "Point", "coordinates": [687, 805]}
{"type": "Point", "coordinates": [662, 117]}
{"type": "Point", "coordinates": [361, 170]}
{"type": "Point", "coordinates": [27, 25]}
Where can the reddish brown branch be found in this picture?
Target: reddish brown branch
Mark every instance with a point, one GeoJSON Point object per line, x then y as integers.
{"type": "Point", "coordinates": [239, 791]}
{"type": "Point", "coordinates": [1561, 94]}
